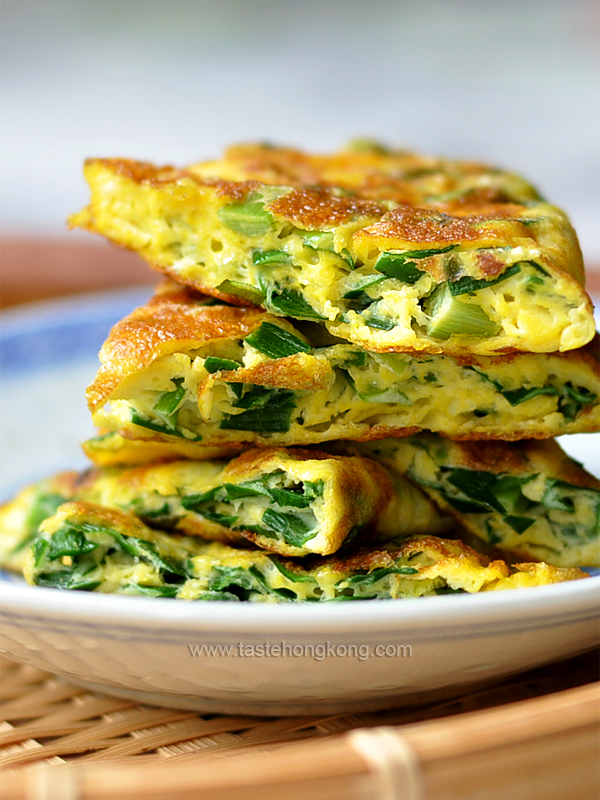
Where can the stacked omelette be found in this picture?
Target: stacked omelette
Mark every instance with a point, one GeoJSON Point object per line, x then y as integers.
{"type": "Point", "coordinates": [347, 388]}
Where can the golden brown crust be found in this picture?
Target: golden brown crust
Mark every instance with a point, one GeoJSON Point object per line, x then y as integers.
{"type": "Point", "coordinates": [531, 455]}
{"type": "Point", "coordinates": [548, 455]}
{"type": "Point", "coordinates": [105, 515]}
{"type": "Point", "coordinates": [164, 325]}
{"type": "Point", "coordinates": [273, 164]}
{"type": "Point", "coordinates": [317, 208]}
{"type": "Point", "coordinates": [119, 451]}
{"type": "Point", "coordinates": [367, 558]}
{"type": "Point", "coordinates": [589, 354]}
{"type": "Point", "coordinates": [139, 171]}
{"type": "Point", "coordinates": [144, 172]}
{"type": "Point", "coordinates": [292, 372]}
{"type": "Point", "coordinates": [65, 483]}
{"type": "Point", "coordinates": [422, 225]}
{"type": "Point", "coordinates": [256, 459]}
{"type": "Point", "coordinates": [441, 202]}
{"type": "Point", "coordinates": [374, 172]}
{"type": "Point", "coordinates": [494, 457]}
{"type": "Point", "coordinates": [200, 289]}
{"type": "Point", "coordinates": [478, 198]}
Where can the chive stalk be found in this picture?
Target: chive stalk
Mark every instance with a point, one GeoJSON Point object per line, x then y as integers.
{"type": "Point", "coordinates": [248, 218]}
{"type": "Point", "coordinates": [449, 316]}
{"type": "Point", "coordinates": [276, 342]}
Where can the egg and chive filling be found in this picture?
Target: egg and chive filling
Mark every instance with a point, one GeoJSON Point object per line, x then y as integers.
{"type": "Point", "coordinates": [526, 498]}
{"type": "Point", "coordinates": [291, 502]}
{"type": "Point", "coordinates": [179, 371]}
{"type": "Point", "coordinates": [21, 517]}
{"type": "Point", "coordinates": [384, 256]}
{"type": "Point", "coordinates": [88, 547]}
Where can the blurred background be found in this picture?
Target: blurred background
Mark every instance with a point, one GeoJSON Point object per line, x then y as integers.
{"type": "Point", "coordinates": [506, 81]}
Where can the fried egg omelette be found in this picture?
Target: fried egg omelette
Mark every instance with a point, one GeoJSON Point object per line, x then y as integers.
{"type": "Point", "coordinates": [181, 371]}
{"type": "Point", "coordinates": [292, 502]}
{"type": "Point", "coordinates": [109, 449]}
{"type": "Point", "coordinates": [393, 251]}
{"type": "Point", "coordinates": [527, 498]}
{"type": "Point", "coordinates": [21, 517]}
{"type": "Point", "coordinates": [89, 547]}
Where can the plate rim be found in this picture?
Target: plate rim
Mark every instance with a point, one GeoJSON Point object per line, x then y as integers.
{"type": "Point", "coordinates": [566, 600]}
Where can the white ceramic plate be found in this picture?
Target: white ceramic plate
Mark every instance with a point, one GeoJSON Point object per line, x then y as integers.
{"type": "Point", "coordinates": [265, 659]}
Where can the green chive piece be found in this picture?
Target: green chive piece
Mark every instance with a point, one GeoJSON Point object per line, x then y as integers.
{"type": "Point", "coordinates": [357, 286]}
{"type": "Point", "coordinates": [276, 342]}
{"type": "Point", "coordinates": [357, 358]}
{"type": "Point", "coordinates": [394, 361]}
{"type": "Point", "coordinates": [68, 541]}
{"type": "Point", "coordinates": [570, 404]}
{"type": "Point", "coordinates": [162, 516]}
{"type": "Point", "coordinates": [255, 396]}
{"type": "Point", "coordinates": [401, 265]}
{"type": "Point", "coordinates": [291, 304]}
{"type": "Point", "coordinates": [223, 578]}
{"type": "Point", "coordinates": [380, 323]}
{"type": "Point", "coordinates": [227, 596]}
{"type": "Point", "coordinates": [268, 411]}
{"type": "Point", "coordinates": [143, 422]}
{"type": "Point", "coordinates": [45, 506]}
{"type": "Point", "coordinates": [271, 257]}
{"type": "Point", "coordinates": [236, 388]}
{"type": "Point", "coordinates": [234, 491]}
{"type": "Point", "coordinates": [262, 421]}
{"type": "Point", "coordinates": [404, 271]}
{"type": "Point", "coordinates": [360, 301]}
{"type": "Point", "coordinates": [155, 591]}
{"type": "Point", "coordinates": [319, 240]}
{"type": "Point", "coordinates": [292, 575]}
{"type": "Point", "coordinates": [243, 290]}
{"type": "Point", "coordinates": [570, 407]}
{"type": "Point", "coordinates": [169, 402]}
{"type": "Point", "coordinates": [469, 285]}
{"type": "Point", "coordinates": [556, 497]}
{"type": "Point", "coordinates": [449, 316]}
{"type": "Point", "coordinates": [290, 527]}
{"type": "Point", "coordinates": [519, 396]}
{"type": "Point", "coordinates": [370, 578]}
{"type": "Point", "coordinates": [477, 486]}
{"type": "Point", "coordinates": [213, 365]}
{"type": "Point", "coordinates": [519, 524]}
{"type": "Point", "coordinates": [192, 502]}
{"type": "Point", "coordinates": [248, 218]}
{"type": "Point", "coordinates": [346, 256]}
{"type": "Point", "coordinates": [38, 549]}
{"type": "Point", "coordinates": [65, 580]}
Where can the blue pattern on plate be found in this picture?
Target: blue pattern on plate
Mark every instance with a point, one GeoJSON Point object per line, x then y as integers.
{"type": "Point", "coordinates": [64, 332]}
{"type": "Point", "coordinates": [10, 577]}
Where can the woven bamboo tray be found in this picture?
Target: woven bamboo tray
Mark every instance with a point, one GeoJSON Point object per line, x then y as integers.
{"type": "Point", "coordinates": [534, 736]}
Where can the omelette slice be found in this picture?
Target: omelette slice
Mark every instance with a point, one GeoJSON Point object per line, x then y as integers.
{"type": "Point", "coordinates": [528, 498]}
{"type": "Point", "coordinates": [89, 547]}
{"type": "Point", "coordinates": [291, 502]}
{"type": "Point", "coordinates": [21, 518]}
{"type": "Point", "coordinates": [194, 375]}
{"type": "Point", "coordinates": [110, 449]}
{"type": "Point", "coordinates": [392, 251]}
